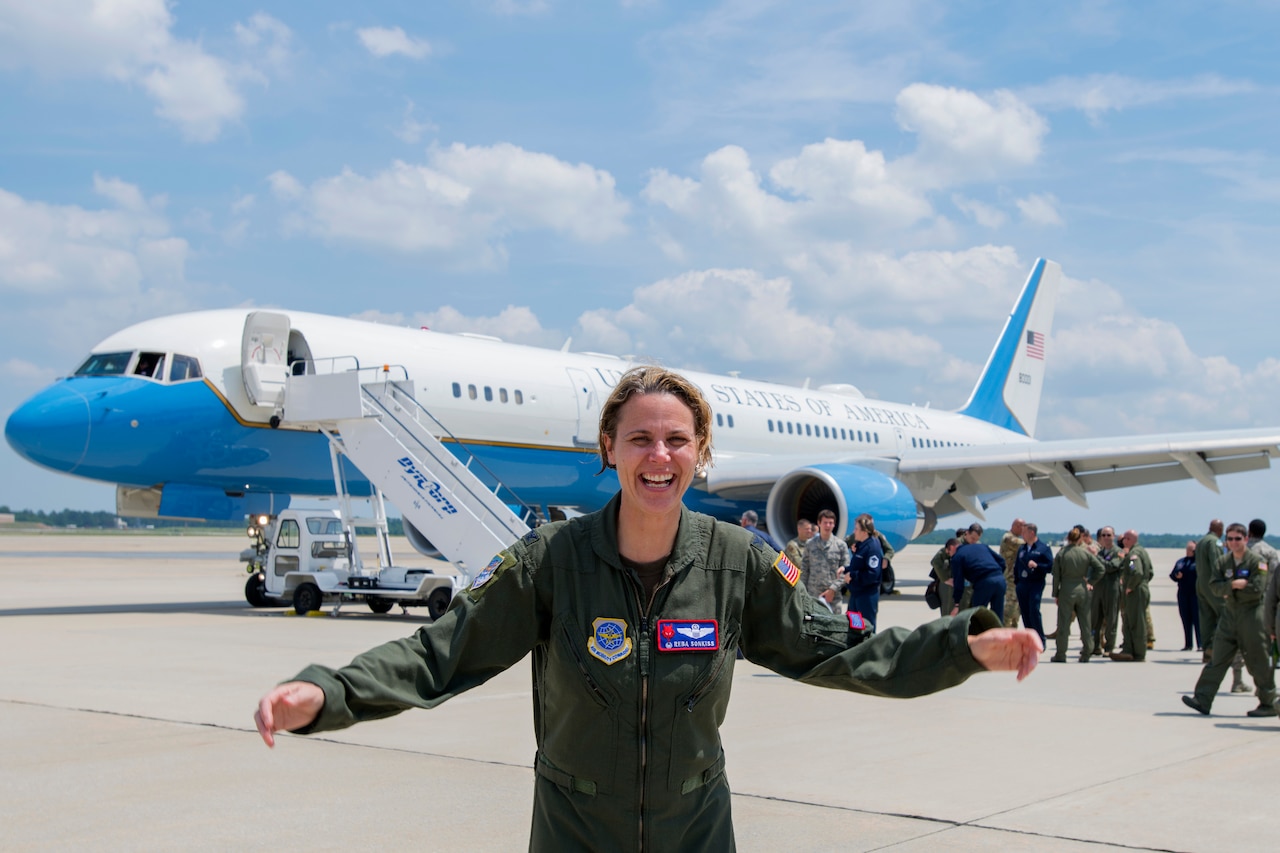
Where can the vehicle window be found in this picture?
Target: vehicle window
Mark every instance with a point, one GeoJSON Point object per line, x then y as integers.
{"type": "Point", "coordinates": [289, 535]}
{"type": "Point", "coordinates": [184, 367]}
{"type": "Point", "coordinates": [105, 364]}
{"type": "Point", "coordinates": [150, 364]}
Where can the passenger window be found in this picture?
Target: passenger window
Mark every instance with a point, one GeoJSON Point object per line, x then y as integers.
{"type": "Point", "coordinates": [488, 394]}
{"type": "Point", "coordinates": [719, 419]}
{"type": "Point", "coordinates": [184, 367]}
{"type": "Point", "coordinates": [730, 417]}
{"type": "Point", "coordinates": [471, 391]}
{"type": "Point", "coordinates": [289, 535]}
{"type": "Point", "coordinates": [502, 395]}
{"type": "Point", "coordinates": [457, 390]}
{"type": "Point", "coordinates": [519, 398]}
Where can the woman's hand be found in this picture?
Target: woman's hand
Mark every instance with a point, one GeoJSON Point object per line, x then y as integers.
{"type": "Point", "coordinates": [290, 706]}
{"type": "Point", "coordinates": [1007, 650]}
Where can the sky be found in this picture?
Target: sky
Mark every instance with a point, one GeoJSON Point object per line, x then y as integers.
{"type": "Point", "coordinates": [827, 191]}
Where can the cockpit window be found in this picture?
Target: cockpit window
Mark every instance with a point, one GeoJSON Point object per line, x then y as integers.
{"type": "Point", "coordinates": [150, 364]}
{"type": "Point", "coordinates": [105, 364]}
{"type": "Point", "coordinates": [184, 367]}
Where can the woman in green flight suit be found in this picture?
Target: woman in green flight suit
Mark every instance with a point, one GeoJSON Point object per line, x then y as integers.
{"type": "Point", "coordinates": [634, 615]}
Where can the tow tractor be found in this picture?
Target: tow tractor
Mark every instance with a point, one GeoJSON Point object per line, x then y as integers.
{"type": "Point", "coordinates": [309, 557]}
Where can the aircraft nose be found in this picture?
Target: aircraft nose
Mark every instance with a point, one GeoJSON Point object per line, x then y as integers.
{"type": "Point", "coordinates": [51, 429]}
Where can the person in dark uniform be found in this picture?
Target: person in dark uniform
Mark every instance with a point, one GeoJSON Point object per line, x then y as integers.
{"type": "Point", "coordinates": [1032, 565]}
{"type": "Point", "coordinates": [864, 569]}
{"type": "Point", "coordinates": [983, 570]}
{"type": "Point", "coordinates": [1184, 575]}
{"type": "Point", "coordinates": [634, 615]}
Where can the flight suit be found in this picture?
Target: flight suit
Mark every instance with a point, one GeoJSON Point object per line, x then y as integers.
{"type": "Point", "coordinates": [1104, 603]}
{"type": "Point", "coordinates": [629, 754]}
{"type": "Point", "coordinates": [1074, 572]}
{"type": "Point", "coordinates": [1208, 552]}
{"type": "Point", "coordinates": [1135, 578]}
{"type": "Point", "coordinates": [1240, 627]}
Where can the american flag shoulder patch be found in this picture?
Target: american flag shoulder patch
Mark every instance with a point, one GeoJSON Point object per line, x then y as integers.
{"type": "Point", "coordinates": [787, 569]}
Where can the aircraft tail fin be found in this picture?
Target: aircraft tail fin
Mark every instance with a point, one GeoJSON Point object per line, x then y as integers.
{"type": "Point", "coordinates": [1008, 392]}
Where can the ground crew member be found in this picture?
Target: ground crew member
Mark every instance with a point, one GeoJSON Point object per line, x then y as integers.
{"type": "Point", "coordinates": [1135, 579]}
{"type": "Point", "coordinates": [825, 559]}
{"type": "Point", "coordinates": [1240, 577]}
{"type": "Point", "coordinates": [795, 548]}
{"type": "Point", "coordinates": [1104, 601]}
{"type": "Point", "coordinates": [1009, 545]}
{"type": "Point", "coordinates": [1075, 573]}
{"type": "Point", "coordinates": [634, 615]}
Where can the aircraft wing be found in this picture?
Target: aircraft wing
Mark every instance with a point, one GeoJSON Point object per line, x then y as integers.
{"type": "Point", "coordinates": [963, 478]}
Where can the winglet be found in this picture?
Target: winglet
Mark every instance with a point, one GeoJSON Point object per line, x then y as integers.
{"type": "Point", "coordinates": [1008, 392]}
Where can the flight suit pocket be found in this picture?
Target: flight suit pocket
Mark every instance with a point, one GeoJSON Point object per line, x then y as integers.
{"type": "Point", "coordinates": [696, 756]}
{"type": "Point", "coordinates": [580, 717]}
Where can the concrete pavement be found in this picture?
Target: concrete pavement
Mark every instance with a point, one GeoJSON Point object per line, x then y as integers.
{"type": "Point", "coordinates": [132, 666]}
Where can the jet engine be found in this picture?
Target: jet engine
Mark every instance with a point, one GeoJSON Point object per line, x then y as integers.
{"type": "Point", "coordinates": [847, 490]}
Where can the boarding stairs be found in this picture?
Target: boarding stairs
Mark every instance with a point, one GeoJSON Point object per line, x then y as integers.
{"type": "Point", "coordinates": [375, 421]}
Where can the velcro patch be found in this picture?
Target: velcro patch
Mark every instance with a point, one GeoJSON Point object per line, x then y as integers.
{"type": "Point", "coordinates": [498, 564]}
{"type": "Point", "coordinates": [688, 635]}
{"type": "Point", "coordinates": [609, 641]}
{"type": "Point", "coordinates": [856, 622]}
{"type": "Point", "coordinates": [787, 569]}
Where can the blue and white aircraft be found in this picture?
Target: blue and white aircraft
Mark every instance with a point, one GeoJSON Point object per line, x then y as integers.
{"type": "Point", "coordinates": [186, 414]}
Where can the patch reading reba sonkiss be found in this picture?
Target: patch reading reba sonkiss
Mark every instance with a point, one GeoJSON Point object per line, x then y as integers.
{"type": "Point", "coordinates": [688, 635]}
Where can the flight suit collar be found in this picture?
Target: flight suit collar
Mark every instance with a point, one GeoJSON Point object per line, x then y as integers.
{"type": "Point", "coordinates": [692, 537]}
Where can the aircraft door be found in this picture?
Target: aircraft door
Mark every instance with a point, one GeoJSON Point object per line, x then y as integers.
{"type": "Point", "coordinates": [590, 399]}
{"type": "Point", "coordinates": [264, 353]}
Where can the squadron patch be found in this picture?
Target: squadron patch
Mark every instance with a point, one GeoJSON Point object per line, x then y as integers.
{"type": "Point", "coordinates": [787, 569]}
{"type": "Point", "coordinates": [688, 635]}
{"type": "Point", "coordinates": [856, 622]}
{"type": "Point", "coordinates": [496, 565]}
{"type": "Point", "coordinates": [609, 641]}
{"type": "Point", "coordinates": [530, 537]}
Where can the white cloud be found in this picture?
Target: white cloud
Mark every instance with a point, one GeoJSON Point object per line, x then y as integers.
{"type": "Point", "coordinates": [132, 41]}
{"type": "Point", "coordinates": [388, 41]}
{"type": "Point", "coordinates": [965, 137]}
{"type": "Point", "coordinates": [1040, 209]}
{"type": "Point", "coordinates": [514, 324]}
{"type": "Point", "coordinates": [984, 214]}
{"type": "Point", "coordinates": [1098, 94]}
{"type": "Point", "coordinates": [463, 199]}
{"type": "Point", "coordinates": [411, 130]}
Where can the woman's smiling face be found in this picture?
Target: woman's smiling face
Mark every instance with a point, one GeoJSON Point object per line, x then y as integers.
{"type": "Point", "coordinates": [655, 452]}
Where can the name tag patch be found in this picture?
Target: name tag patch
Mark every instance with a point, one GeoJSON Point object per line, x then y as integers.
{"type": "Point", "coordinates": [688, 635]}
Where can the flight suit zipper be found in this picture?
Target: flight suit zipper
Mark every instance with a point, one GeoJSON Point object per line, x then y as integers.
{"type": "Point", "coordinates": [582, 667]}
{"type": "Point", "coordinates": [644, 661]}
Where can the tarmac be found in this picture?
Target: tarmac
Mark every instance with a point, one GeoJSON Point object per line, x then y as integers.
{"type": "Point", "coordinates": [132, 666]}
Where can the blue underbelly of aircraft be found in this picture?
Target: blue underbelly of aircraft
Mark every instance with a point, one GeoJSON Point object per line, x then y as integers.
{"type": "Point", "coordinates": [140, 433]}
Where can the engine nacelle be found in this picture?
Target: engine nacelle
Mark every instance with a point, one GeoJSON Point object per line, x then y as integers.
{"type": "Point", "coordinates": [848, 490]}
{"type": "Point", "coordinates": [420, 543]}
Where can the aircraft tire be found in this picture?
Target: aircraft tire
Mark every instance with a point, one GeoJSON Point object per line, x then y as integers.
{"type": "Point", "coordinates": [307, 597]}
{"type": "Point", "coordinates": [438, 602]}
{"type": "Point", "coordinates": [255, 591]}
{"type": "Point", "coordinates": [380, 605]}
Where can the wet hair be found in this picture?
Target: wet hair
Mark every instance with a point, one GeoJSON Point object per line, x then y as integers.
{"type": "Point", "coordinates": [1257, 528]}
{"type": "Point", "coordinates": [651, 379]}
{"type": "Point", "coordinates": [866, 523]}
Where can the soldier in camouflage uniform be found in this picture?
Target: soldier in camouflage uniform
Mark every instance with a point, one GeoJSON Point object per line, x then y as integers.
{"type": "Point", "coordinates": [1010, 543]}
{"type": "Point", "coordinates": [825, 557]}
{"type": "Point", "coordinates": [795, 548]}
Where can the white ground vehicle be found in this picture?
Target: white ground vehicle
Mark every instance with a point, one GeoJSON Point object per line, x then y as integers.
{"type": "Point", "coordinates": [308, 557]}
